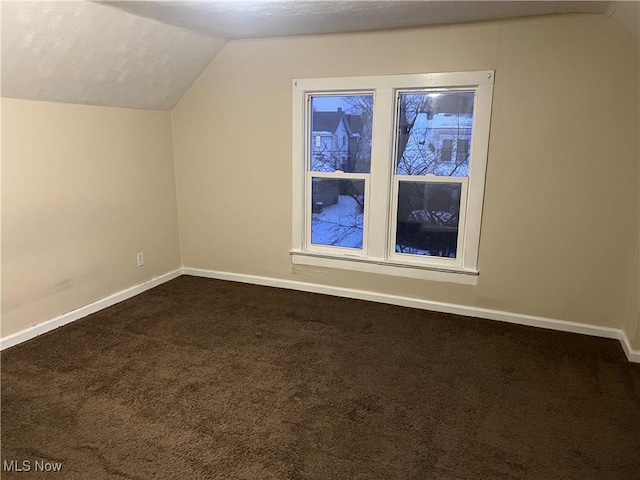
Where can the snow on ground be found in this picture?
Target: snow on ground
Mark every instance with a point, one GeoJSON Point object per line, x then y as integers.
{"type": "Point", "coordinates": [339, 225]}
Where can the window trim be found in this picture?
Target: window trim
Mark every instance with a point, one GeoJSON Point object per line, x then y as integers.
{"type": "Point", "coordinates": [375, 256]}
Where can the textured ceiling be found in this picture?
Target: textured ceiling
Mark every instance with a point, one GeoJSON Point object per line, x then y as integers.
{"type": "Point", "coordinates": [83, 52]}
{"type": "Point", "coordinates": [146, 54]}
{"type": "Point", "coordinates": [244, 19]}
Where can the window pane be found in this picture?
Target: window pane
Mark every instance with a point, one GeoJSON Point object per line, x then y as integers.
{"type": "Point", "coordinates": [428, 215]}
{"type": "Point", "coordinates": [462, 151]}
{"type": "Point", "coordinates": [337, 212]}
{"type": "Point", "coordinates": [341, 132]}
{"type": "Point", "coordinates": [429, 126]}
{"type": "Point", "coordinates": [447, 150]}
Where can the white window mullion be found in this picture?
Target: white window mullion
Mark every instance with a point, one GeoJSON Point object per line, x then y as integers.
{"type": "Point", "coordinates": [380, 172]}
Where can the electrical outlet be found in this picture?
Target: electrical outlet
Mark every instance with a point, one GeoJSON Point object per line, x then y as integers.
{"type": "Point", "coordinates": [140, 259]}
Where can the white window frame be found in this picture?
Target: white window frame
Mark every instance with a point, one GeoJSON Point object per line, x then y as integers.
{"type": "Point", "coordinates": [381, 184]}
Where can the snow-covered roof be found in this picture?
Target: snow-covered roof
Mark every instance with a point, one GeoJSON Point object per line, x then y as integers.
{"type": "Point", "coordinates": [445, 120]}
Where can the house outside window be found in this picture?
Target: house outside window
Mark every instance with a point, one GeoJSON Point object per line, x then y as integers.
{"type": "Point", "coordinates": [462, 151]}
{"type": "Point", "coordinates": [447, 150]}
{"type": "Point", "coordinates": [389, 198]}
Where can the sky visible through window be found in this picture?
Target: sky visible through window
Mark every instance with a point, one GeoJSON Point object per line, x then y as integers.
{"type": "Point", "coordinates": [329, 103]}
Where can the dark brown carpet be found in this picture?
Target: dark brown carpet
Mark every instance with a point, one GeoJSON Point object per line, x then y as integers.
{"type": "Point", "coordinates": [205, 379]}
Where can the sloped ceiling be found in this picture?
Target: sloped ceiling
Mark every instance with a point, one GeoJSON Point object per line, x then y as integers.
{"type": "Point", "coordinates": [84, 52]}
{"type": "Point", "coordinates": [146, 54]}
{"type": "Point", "coordinates": [251, 19]}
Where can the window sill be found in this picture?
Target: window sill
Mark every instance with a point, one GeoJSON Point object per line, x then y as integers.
{"type": "Point", "coordinates": [382, 267]}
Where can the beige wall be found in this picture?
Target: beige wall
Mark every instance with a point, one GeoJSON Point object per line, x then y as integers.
{"type": "Point", "coordinates": [627, 14]}
{"type": "Point", "coordinates": [83, 189]}
{"type": "Point", "coordinates": [632, 320]}
{"type": "Point", "coordinates": [631, 325]}
{"type": "Point", "coordinates": [561, 211]}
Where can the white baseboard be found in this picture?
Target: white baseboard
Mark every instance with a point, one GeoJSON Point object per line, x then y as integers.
{"type": "Point", "coordinates": [78, 313]}
{"type": "Point", "coordinates": [509, 317]}
{"type": "Point", "coordinates": [632, 355]}
{"type": "Point", "coordinates": [517, 318]}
